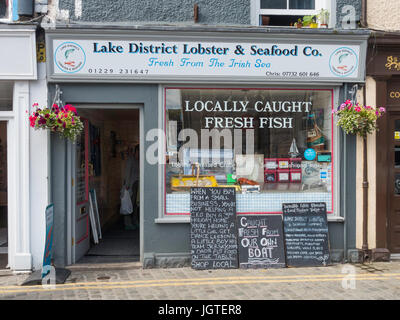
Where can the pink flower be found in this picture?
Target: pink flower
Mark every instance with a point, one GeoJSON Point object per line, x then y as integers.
{"type": "Point", "coordinates": [32, 120]}
{"type": "Point", "coordinates": [382, 109]}
{"type": "Point", "coordinates": [342, 106]}
{"type": "Point", "coordinates": [69, 107]}
{"type": "Point", "coordinates": [358, 109]}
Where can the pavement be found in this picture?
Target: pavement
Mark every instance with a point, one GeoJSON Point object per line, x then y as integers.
{"type": "Point", "coordinates": [128, 281]}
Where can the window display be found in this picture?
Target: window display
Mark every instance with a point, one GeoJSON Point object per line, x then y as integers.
{"type": "Point", "coordinates": [272, 145]}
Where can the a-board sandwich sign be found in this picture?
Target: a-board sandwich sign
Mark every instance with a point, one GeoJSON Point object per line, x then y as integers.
{"type": "Point", "coordinates": [49, 240]}
{"type": "Point", "coordinates": [261, 242]}
{"type": "Point", "coordinates": [306, 234]}
{"type": "Point", "coordinates": [213, 234]}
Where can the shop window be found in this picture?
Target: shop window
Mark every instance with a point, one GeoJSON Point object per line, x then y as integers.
{"type": "Point", "coordinates": [287, 12]}
{"type": "Point", "coordinates": [5, 9]}
{"type": "Point", "coordinates": [273, 146]}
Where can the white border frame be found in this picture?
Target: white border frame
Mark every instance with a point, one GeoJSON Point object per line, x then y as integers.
{"type": "Point", "coordinates": [18, 172]}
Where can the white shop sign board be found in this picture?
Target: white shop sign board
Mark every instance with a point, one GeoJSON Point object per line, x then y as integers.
{"type": "Point", "coordinates": [155, 60]}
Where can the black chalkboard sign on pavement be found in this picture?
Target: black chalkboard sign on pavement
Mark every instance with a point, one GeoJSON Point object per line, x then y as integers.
{"type": "Point", "coordinates": [306, 234]}
{"type": "Point", "coordinates": [261, 241]}
{"type": "Point", "coordinates": [213, 234]}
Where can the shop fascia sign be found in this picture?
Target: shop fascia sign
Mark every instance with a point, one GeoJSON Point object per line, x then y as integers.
{"type": "Point", "coordinates": [145, 60]}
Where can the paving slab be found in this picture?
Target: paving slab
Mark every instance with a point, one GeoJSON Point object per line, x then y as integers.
{"type": "Point", "coordinates": [374, 281]}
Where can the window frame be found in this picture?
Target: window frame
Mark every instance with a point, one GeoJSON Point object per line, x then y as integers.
{"type": "Point", "coordinates": [334, 215]}
{"type": "Point", "coordinates": [257, 12]}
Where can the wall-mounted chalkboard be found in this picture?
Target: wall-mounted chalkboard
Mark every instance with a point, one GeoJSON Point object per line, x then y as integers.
{"type": "Point", "coordinates": [213, 234]}
{"type": "Point", "coordinates": [306, 234]}
{"type": "Point", "coordinates": [261, 241]}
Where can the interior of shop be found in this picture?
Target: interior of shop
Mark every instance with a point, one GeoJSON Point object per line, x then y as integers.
{"type": "Point", "coordinates": [112, 139]}
{"type": "Point", "coordinates": [3, 196]}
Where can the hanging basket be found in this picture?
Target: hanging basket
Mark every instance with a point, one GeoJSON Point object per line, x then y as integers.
{"type": "Point", "coordinates": [62, 120]}
{"type": "Point", "coordinates": [358, 119]}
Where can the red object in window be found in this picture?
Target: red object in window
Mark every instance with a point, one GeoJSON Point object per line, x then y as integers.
{"type": "Point", "coordinates": [283, 175]}
{"type": "Point", "coordinates": [270, 164]}
{"type": "Point", "coordinates": [295, 176]}
{"type": "Point", "coordinates": [295, 163]}
{"type": "Point", "coordinates": [283, 163]}
{"type": "Point", "coordinates": [270, 176]}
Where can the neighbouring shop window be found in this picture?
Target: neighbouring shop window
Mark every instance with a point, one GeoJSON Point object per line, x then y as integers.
{"type": "Point", "coordinates": [5, 9]}
{"type": "Point", "coordinates": [273, 145]}
{"type": "Point", "coordinates": [6, 95]}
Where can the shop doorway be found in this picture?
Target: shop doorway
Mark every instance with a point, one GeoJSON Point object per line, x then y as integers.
{"type": "Point", "coordinates": [106, 163]}
{"type": "Point", "coordinates": [393, 223]}
{"type": "Point", "coordinates": [3, 197]}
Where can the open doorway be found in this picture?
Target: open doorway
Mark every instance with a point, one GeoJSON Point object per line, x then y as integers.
{"type": "Point", "coordinates": [3, 197]}
{"type": "Point", "coordinates": [108, 157]}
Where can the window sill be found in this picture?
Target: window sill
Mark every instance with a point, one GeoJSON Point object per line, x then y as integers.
{"type": "Point", "coordinates": [174, 219]}
{"type": "Point", "coordinates": [186, 219]}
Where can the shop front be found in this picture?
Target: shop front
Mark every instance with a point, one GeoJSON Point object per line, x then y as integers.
{"type": "Point", "coordinates": [18, 78]}
{"type": "Point", "coordinates": [239, 107]}
{"type": "Point", "coordinates": [382, 88]}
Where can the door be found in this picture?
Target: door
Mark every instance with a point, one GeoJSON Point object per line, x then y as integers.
{"type": "Point", "coordinates": [393, 222]}
{"type": "Point", "coordinates": [80, 196]}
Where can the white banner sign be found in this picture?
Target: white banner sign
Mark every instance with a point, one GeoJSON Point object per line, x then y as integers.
{"type": "Point", "coordinates": [155, 59]}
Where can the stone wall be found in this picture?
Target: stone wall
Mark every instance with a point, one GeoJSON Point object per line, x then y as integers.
{"type": "Point", "coordinates": [215, 12]}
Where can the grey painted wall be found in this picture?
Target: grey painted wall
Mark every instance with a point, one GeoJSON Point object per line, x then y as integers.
{"type": "Point", "coordinates": [213, 12]}
{"type": "Point", "coordinates": [210, 11]}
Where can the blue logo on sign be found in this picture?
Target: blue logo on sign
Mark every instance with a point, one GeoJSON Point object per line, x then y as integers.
{"type": "Point", "coordinates": [69, 57]}
{"type": "Point", "coordinates": [310, 154]}
{"type": "Point", "coordinates": [343, 62]}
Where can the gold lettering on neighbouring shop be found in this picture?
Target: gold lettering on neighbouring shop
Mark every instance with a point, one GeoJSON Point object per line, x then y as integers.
{"type": "Point", "coordinates": [392, 62]}
{"type": "Point", "coordinates": [394, 94]}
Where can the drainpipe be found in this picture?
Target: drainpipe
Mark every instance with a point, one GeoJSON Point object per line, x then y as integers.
{"type": "Point", "coordinates": [365, 191]}
{"type": "Point", "coordinates": [345, 188]}
{"type": "Point", "coordinates": [363, 19]}
{"type": "Point", "coordinates": [365, 200]}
